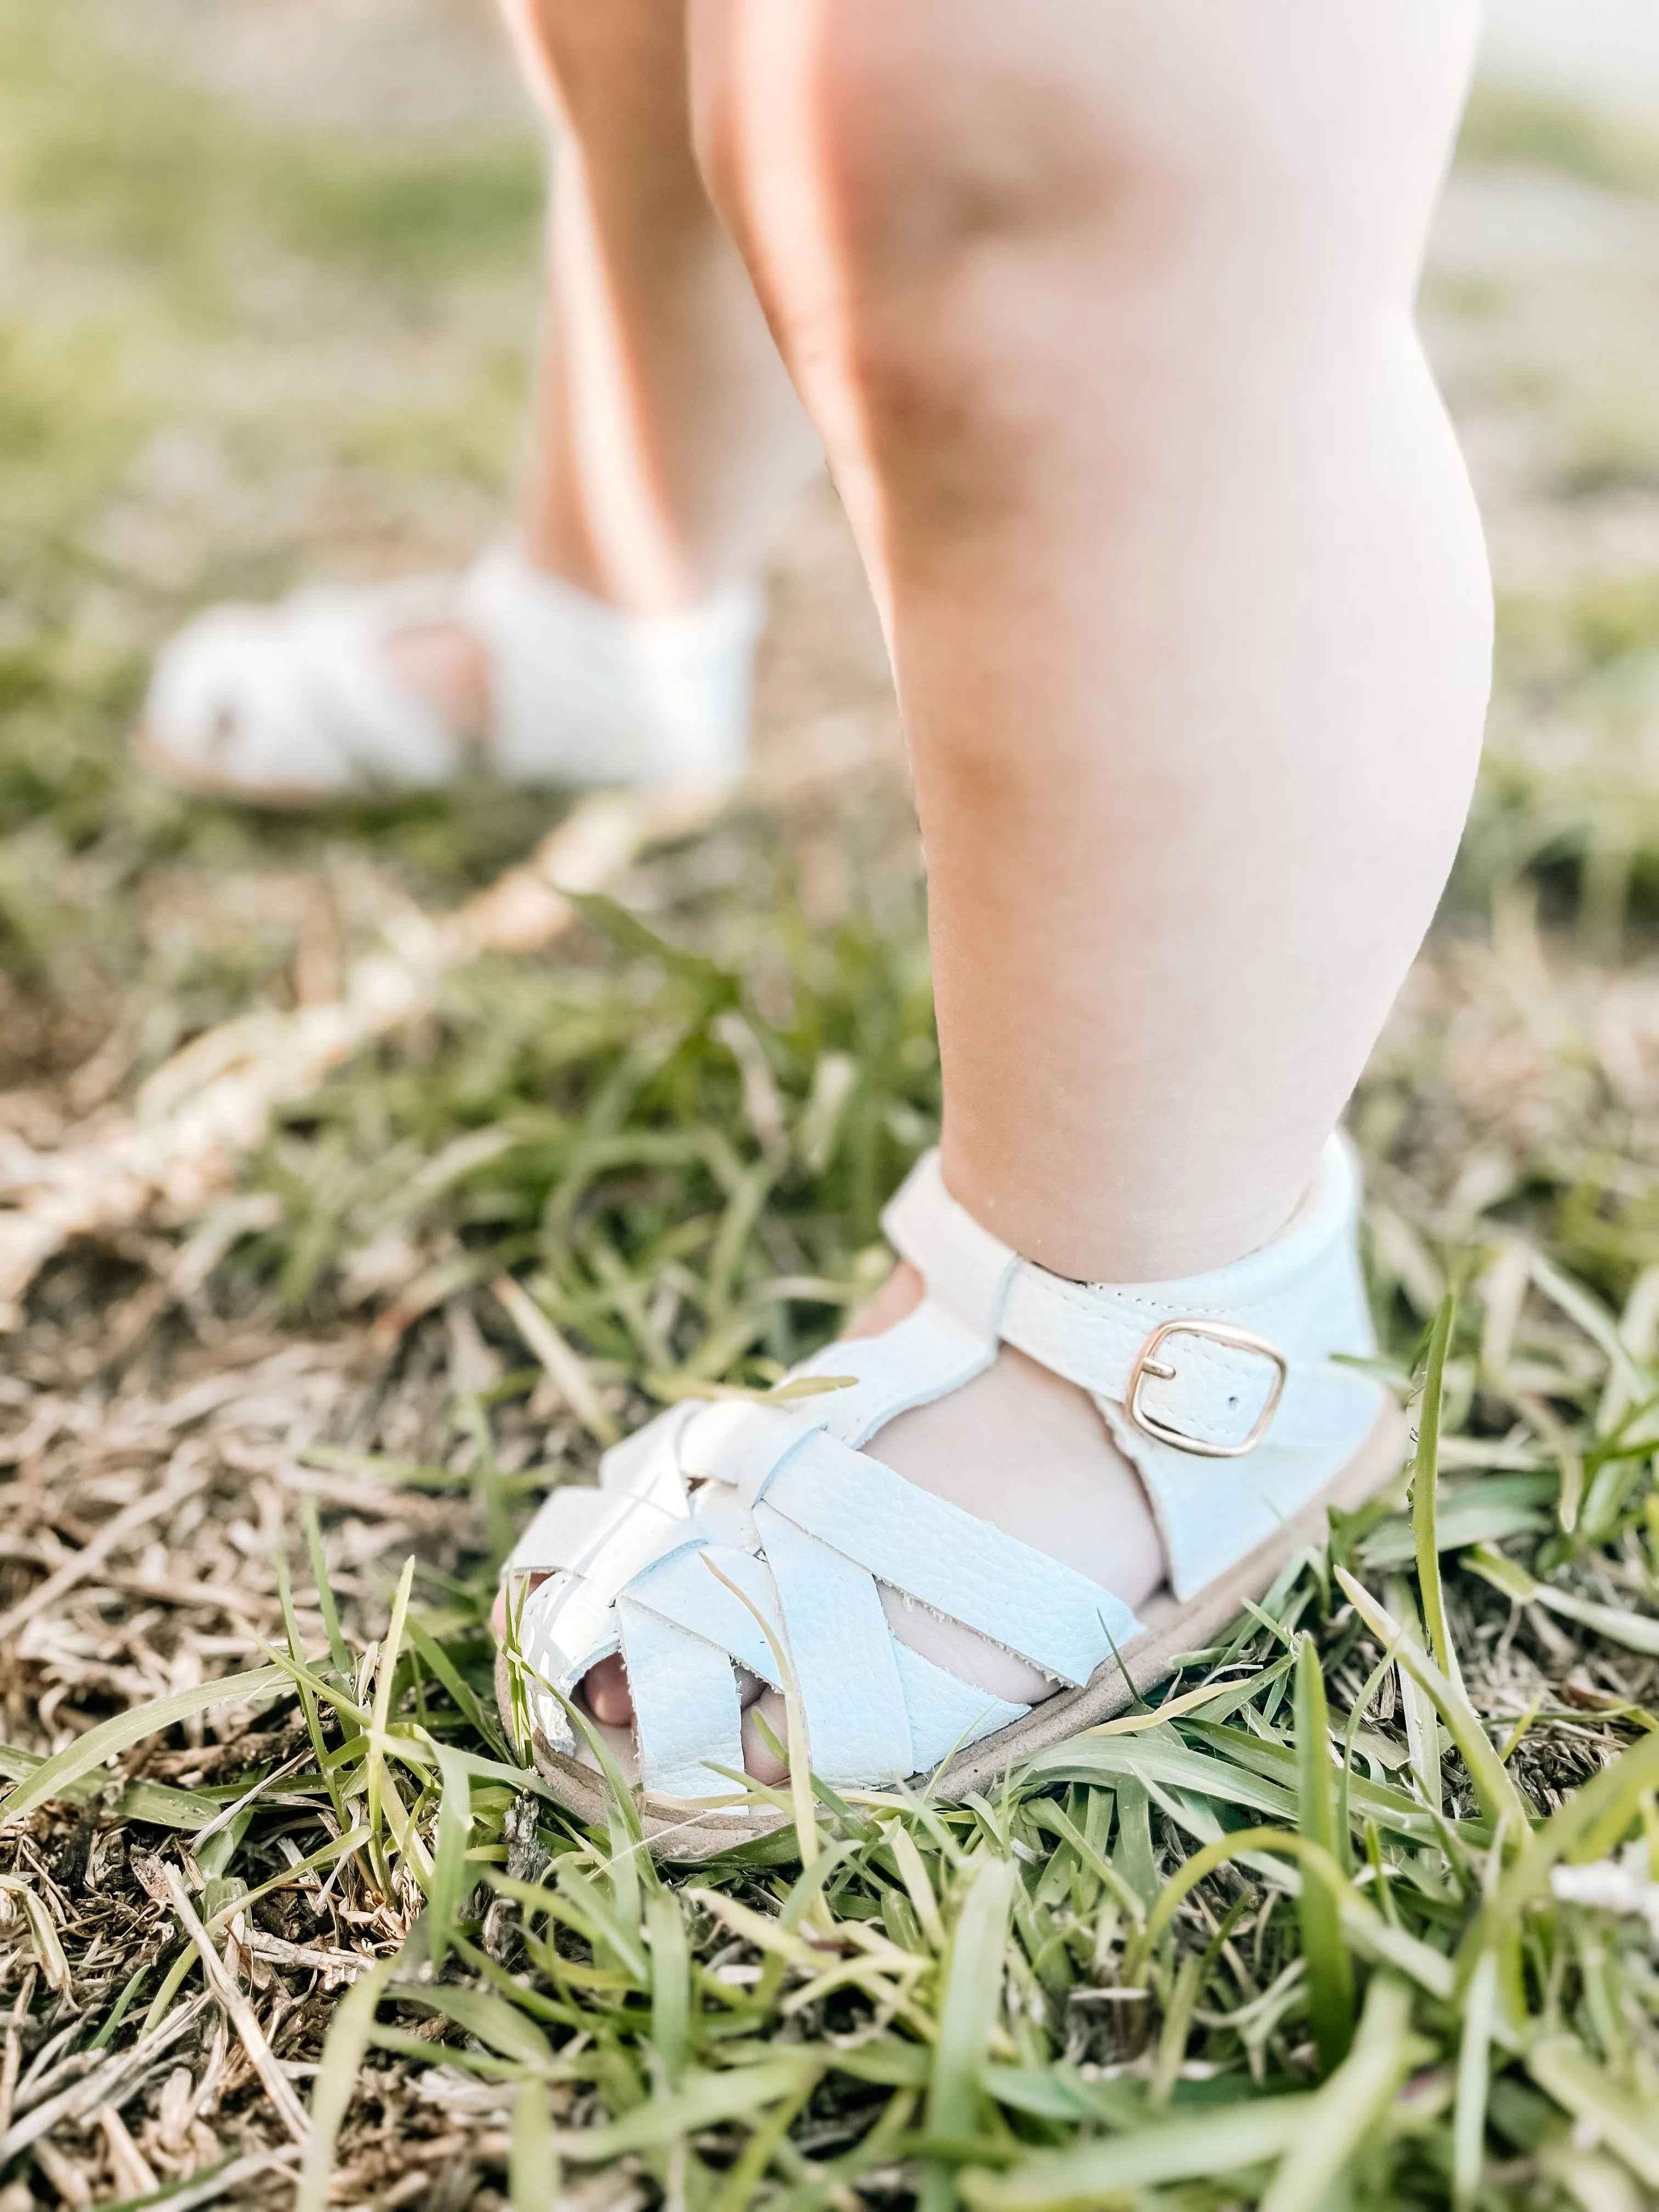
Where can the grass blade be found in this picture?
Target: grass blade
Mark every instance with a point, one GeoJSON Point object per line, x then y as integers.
{"type": "Point", "coordinates": [1133, 1855]}
{"type": "Point", "coordinates": [308, 1704]}
{"type": "Point", "coordinates": [1194, 2146]}
{"type": "Point", "coordinates": [1341, 2114]}
{"type": "Point", "coordinates": [326, 1606]}
{"type": "Point", "coordinates": [581, 1903]}
{"type": "Point", "coordinates": [385, 1673]}
{"type": "Point", "coordinates": [452, 1879]}
{"type": "Point", "coordinates": [43, 1933]}
{"type": "Point", "coordinates": [701, 2101]}
{"type": "Point", "coordinates": [533, 2164]}
{"type": "Point", "coordinates": [671, 1985]}
{"type": "Point", "coordinates": [101, 1743]}
{"type": "Point", "coordinates": [494, 2021]}
{"type": "Point", "coordinates": [564, 1368]}
{"type": "Point", "coordinates": [1581, 1306]}
{"type": "Point", "coordinates": [1422, 1721]}
{"type": "Point", "coordinates": [153, 1802]}
{"type": "Point", "coordinates": [1636, 1631]}
{"type": "Point", "coordinates": [344, 2052]}
{"type": "Point", "coordinates": [738, 2192]}
{"type": "Point", "coordinates": [1493, 1785]}
{"type": "Point", "coordinates": [1627, 2126]}
{"type": "Point", "coordinates": [1425, 1483]}
{"type": "Point", "coordinates": [1591, 1823]}
{"type": "Point", "coordinates": [1363, 1925]}
{"type": "Point", "coordinates": [971, 1999]}
{"type": "Point", "coordinates": [1473, 2079]}
{"type": "Point", "coordinates": [913, 1872]}
{"type": "Point", "coordinates": [438, 1662]}
{"type": "Point", "coordinates": [1330, 1970]}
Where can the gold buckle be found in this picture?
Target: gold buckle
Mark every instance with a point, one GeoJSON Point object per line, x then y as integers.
{"type": "Point", "coordinates": [1216, 1331]}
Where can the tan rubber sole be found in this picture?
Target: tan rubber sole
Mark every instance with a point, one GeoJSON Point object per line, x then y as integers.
{"type": "Point", "coordinates": [202, 783]}
{"type": "Point", "coordinates": [674, 1831]}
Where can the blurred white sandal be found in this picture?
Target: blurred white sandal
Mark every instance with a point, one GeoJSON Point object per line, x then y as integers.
{"type": "Point", "coordinates": [298, 704]}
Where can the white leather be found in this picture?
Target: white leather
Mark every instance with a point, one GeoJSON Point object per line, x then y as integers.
{"type": "Point", "coordinates": [966, 1269]}
{"type": "Point", "coordinates": [685, 1591]}
{"type": "Point", "coordinates": [811, 1529]}
{"type": "Point", "coordinates": [872, 1712]}
{"type": "Point", "coordinates": [687, 1718]}
{"type": "Point", "coordinates": [949, 1562]}
{"type": "Point", "coordinates": [946, 1714]}
{"type": "Point", "coordinates": [566, 1525]}
{"type": "Point", "coordinates": [842, 1651]}
{"type": "Point", "coordinates": [300, 698]}
{"type": "Point", "coordinates": [1303, 1293]}
{"type": "Point", "coordinates": [582, 693]}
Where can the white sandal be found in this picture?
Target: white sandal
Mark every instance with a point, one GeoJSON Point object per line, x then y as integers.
{"type": "Point", "coordinates": [1222, 1389]}
{"type": "Point", "coordinates": [297, 705]}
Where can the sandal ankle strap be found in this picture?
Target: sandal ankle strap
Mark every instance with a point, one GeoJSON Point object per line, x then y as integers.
{"type": "Point", "coordinates": [1222, 1387]}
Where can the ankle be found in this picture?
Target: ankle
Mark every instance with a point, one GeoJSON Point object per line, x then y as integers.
{"type": "Point", "coordinates": [656, 579]}
{"type": "Point", "coordinates": [445, 665]}
{"type": "Point", "coordinates": [1115, 1224]}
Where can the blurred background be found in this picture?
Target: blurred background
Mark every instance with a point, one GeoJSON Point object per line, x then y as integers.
{"type": "Point", "coordinates": [268, 285]}
{"type": "Point", "coordinates": [268, 288]}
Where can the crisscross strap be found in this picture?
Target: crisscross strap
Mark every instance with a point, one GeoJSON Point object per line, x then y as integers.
{"type": "Point", "coordinates": [806, 1533]}
{"type": "Point", "coordinates": [688, 1722]}
{"type": "Point", "coordinates": [300, 696]}
{"type": "Point", "coordinates": [953, 1563]}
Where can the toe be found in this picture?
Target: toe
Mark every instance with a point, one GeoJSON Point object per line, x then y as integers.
{"type": "Point", "coordinates": [759, 1759]}
{"type": "Point", "coordinates": [607, 1693]}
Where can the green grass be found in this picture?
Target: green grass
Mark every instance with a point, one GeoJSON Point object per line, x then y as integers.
{"type": "Point", "coordinates": [1031, 1999]}
{"type": "Point", "coordinates": [1544, 131]}
{"type": "Point", "coordinates": [1100, 1978]}
{"type": "Point", "coordinates": [1292, 1937]}
{"type": "Point", "coordinates": [205, 293]}
{"type": "Point", "coordinates": [108, 155]}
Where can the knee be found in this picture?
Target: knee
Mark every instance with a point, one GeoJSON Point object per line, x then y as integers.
{"type": "Point", "coordinates": [943, 126]}
{"type": "Point", "coordinates": [860, 150]}
{"type": "Point", "coordinates": [989, 186]}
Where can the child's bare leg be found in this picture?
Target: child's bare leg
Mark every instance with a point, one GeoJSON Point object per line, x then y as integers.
{"type": "Point", "coordinates": [1105, 316]}
{"type": "Point", "coordinates": [666, 438]}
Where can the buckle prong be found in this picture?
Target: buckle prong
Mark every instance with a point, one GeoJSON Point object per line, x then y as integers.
{"type": "Point", "coordinates": [1146, 1365]}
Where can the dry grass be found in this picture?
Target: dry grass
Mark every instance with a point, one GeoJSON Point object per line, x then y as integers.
{"type": "Point", "coordinates": [320, 1933]}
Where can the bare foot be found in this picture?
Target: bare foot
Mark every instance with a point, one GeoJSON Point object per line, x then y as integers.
{"type": "Point", "coordinates": [1018, 1447]}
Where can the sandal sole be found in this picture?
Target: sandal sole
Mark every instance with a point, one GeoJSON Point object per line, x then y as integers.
{"type": "Point", "coordinates": [202, 783]}
{"type": "Point", "coordinates": [681, 1832]}
{"type": "Point", "coordinates": [678, 808]}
